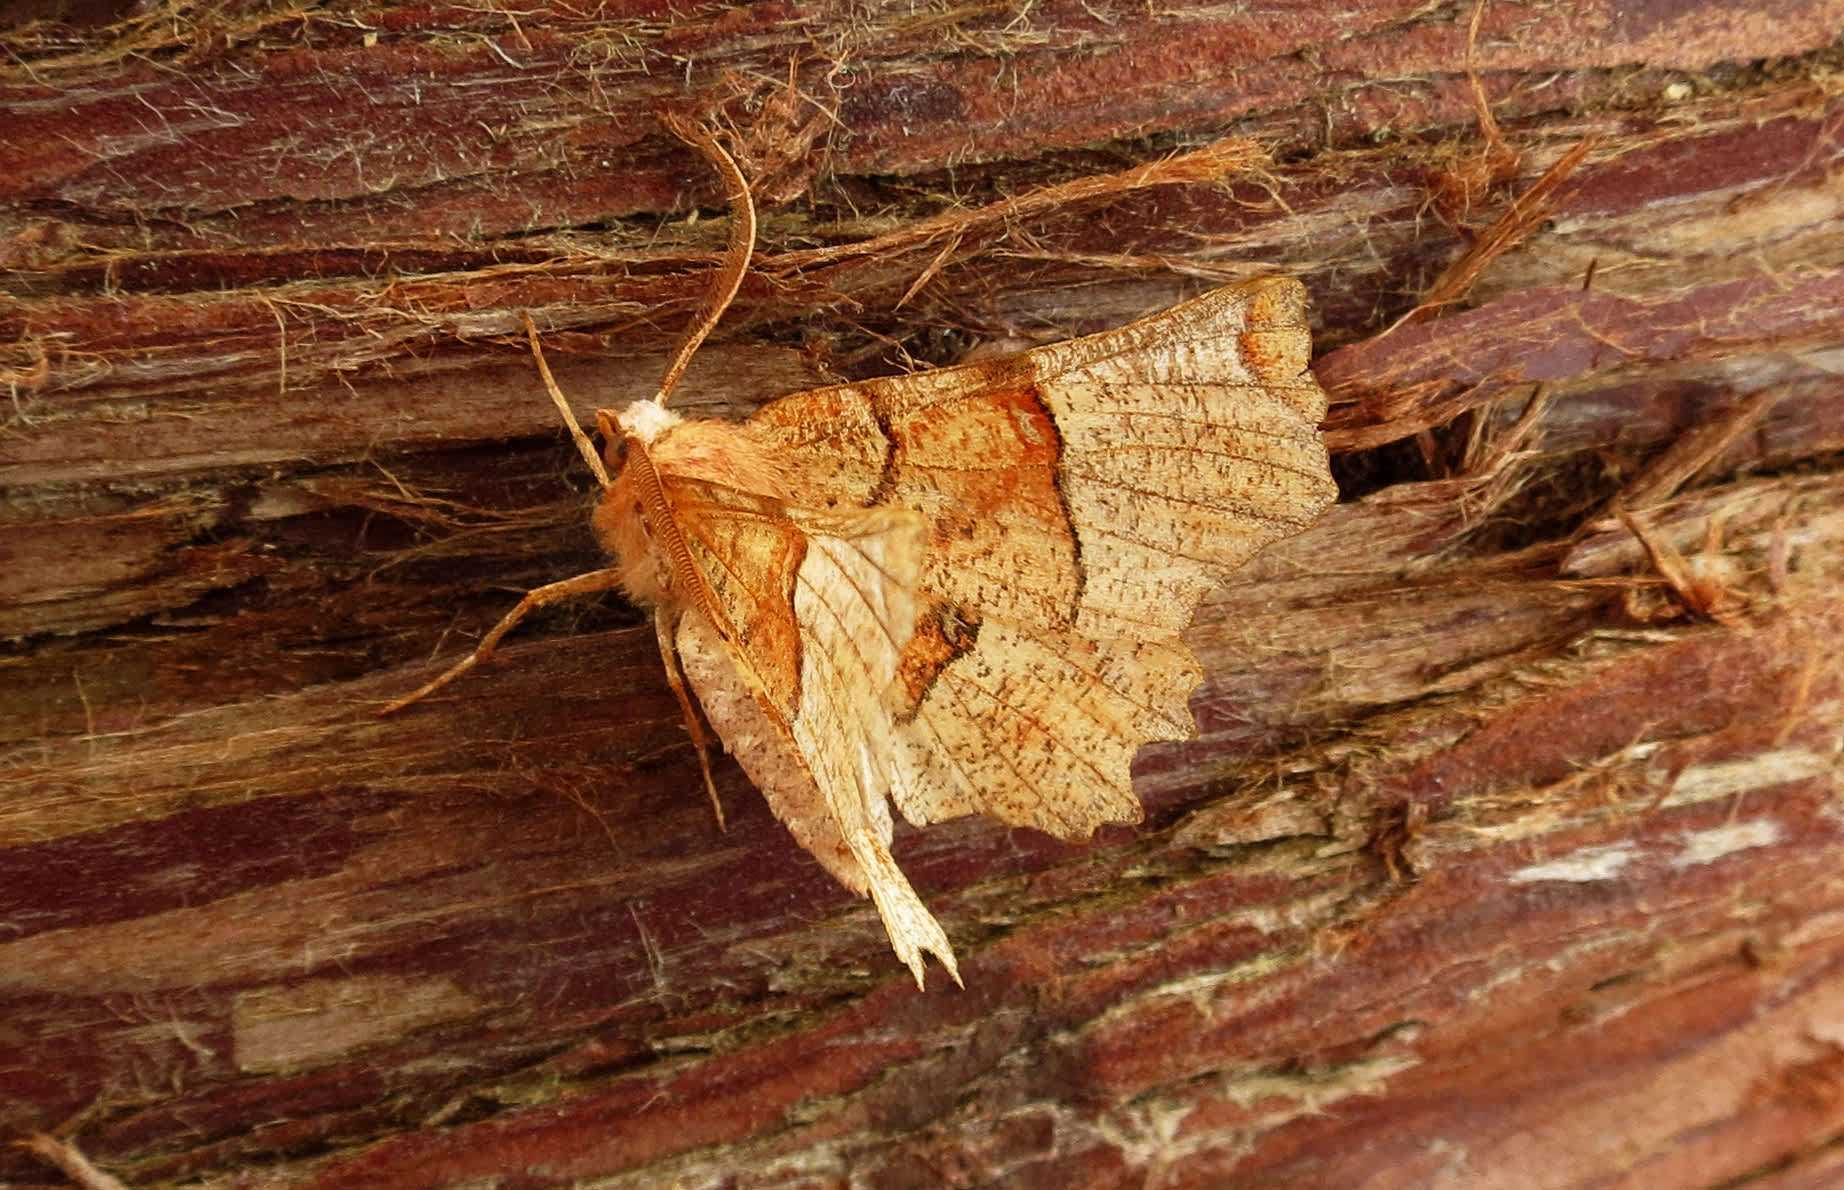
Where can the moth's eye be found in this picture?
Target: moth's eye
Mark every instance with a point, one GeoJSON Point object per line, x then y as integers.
{"type": "Point", "coordinates": [616, 453]}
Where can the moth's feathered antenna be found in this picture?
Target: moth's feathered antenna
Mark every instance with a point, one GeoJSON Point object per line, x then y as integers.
{"type": "Point", "coordinates": [736, 259]}
{"type": "Point", "coordinates": [736, 265]}
{"type": "Point", "coordinates": [583, 446]}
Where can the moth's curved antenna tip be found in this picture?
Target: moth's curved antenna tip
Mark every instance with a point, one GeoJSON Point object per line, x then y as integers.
{"type": "Point", "coordinates": [736, 256]}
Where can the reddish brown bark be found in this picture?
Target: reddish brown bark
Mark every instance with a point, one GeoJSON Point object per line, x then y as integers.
{"type": "Point", "coordinates": [1508, 852]}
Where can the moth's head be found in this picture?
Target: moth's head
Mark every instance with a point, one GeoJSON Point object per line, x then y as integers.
{"type": "Point", "coordinates": [642, 421]}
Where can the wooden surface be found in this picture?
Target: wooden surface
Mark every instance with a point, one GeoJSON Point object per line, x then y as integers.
{"type": "Point", "coordinates": [1508, 854]}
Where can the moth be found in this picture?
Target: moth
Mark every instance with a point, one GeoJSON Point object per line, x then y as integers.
{"type": "Point", "coordinates": [959, 591]}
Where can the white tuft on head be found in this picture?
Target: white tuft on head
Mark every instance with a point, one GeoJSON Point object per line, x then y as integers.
{"type": "Point", "coordinates": [646, 420]}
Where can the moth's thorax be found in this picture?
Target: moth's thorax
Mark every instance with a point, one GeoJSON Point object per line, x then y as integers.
{"type": "Point", "coordinates": [660, 462]}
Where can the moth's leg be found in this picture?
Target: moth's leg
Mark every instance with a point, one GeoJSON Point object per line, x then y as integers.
{"type": "Point", "coordinates": [582, 584]}
{"type": "Point", "coordinates": [666, 627]}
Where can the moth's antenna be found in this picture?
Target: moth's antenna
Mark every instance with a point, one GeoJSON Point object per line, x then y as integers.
{"type": "Point", "coordinates": [583, 445]}
{"type": "Point", "coordinates": [736, 258]}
